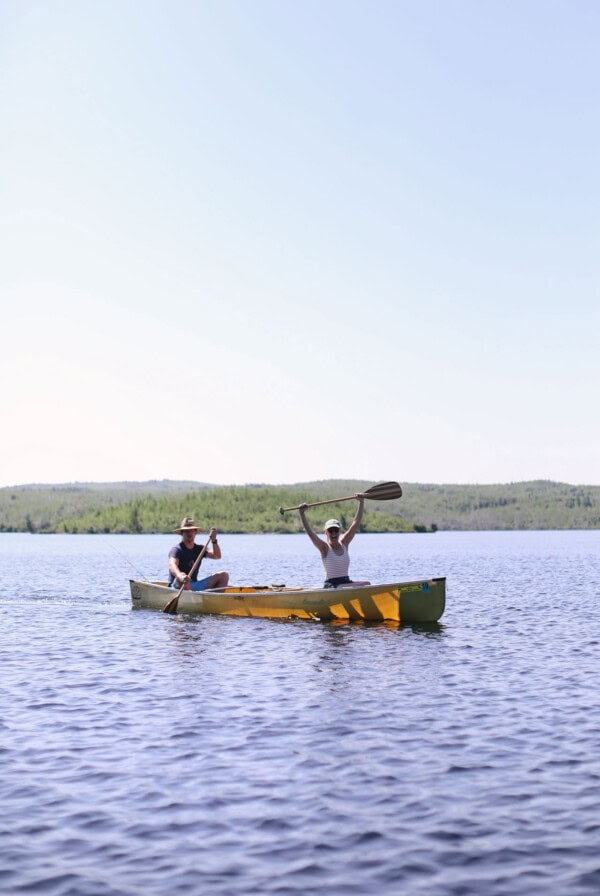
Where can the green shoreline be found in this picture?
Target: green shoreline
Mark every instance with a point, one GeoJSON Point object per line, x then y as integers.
{"type": "Point", "coordinates": [157, 506]}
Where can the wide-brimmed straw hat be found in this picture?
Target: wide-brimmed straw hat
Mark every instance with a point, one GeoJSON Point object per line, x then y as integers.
{"type": "Point", "coordinates": [187, 523]}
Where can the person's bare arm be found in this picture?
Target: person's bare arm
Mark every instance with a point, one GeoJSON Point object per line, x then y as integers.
{"type": "Point", "coordinates": [355, 524]}
{"type": "Point", "coordinates": [180, 577]}
{"type": "Point", "coordinates": [215, 551]}
{"type": "Point", "coordinates": [320, 545]}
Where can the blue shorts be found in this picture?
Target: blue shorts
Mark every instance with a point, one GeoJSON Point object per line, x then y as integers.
{"type": "Point", "coordinates": [200, 585]}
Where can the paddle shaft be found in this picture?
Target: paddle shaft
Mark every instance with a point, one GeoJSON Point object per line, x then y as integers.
{"type": "Point", "coordinates": [385, 492]}
{"type": "Point", "coordinates": [318, 503]}
{"type": "Point", "coordinates": [171, 607]}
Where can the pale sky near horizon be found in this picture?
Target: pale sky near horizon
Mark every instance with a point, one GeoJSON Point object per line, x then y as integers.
{"type": "Point", "coordinates": [268, 241]}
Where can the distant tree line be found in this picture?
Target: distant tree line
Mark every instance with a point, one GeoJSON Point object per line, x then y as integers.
{"type": "Point", "coordinates": [159, 506]}
{"type": "Point", "coordinates": [235, 509]}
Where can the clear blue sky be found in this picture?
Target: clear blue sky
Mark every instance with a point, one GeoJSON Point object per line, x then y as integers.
{"type": "Point", "coordinates": [254, 241]}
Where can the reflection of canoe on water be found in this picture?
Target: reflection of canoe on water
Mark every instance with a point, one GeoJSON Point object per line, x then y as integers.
{"type": "Point", "coordinates": [402, 602]}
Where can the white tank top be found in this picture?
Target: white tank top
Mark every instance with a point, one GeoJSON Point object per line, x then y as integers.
{"type": "Point", "coordinates": [336, 565]}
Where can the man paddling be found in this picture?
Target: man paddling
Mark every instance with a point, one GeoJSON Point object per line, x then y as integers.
{"type": "Point", "coordinates": [334, 551]}
{"type": "Point", "coordinates": [183, 556]}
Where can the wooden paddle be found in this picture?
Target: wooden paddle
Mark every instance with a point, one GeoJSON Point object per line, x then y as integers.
{"type": "Point", "coordinates": [384, 491]}
{"type": "Point", "coordinates": [171, 607]}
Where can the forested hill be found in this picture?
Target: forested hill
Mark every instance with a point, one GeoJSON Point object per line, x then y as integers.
{"type": "Point", "coordinates": [159, 505]}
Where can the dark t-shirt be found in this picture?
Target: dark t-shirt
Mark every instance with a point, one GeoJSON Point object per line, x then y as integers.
{"type": "Point", "coordinates": [187, 558]}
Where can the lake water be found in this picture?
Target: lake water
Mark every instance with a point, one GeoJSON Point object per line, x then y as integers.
{"type": "Point", "coordinates": [149, 754]}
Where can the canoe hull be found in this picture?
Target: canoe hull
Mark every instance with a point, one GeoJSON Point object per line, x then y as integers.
{"type": "Point", "coordinates": [401, 602]}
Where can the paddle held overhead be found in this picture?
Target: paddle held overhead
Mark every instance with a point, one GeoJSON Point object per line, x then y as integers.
{"type": "Point", "coordinates": [384, 491]}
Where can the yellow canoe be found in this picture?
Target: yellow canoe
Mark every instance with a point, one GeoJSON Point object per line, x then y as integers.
{"type": "Point", "coordinates": [400, 602]}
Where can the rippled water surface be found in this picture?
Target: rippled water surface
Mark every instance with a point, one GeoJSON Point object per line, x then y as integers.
{"type": "Point", "coordinates": [150, 754]}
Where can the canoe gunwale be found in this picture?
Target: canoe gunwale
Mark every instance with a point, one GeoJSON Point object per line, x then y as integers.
{"type": "Point", "coordinates": [417, 601]}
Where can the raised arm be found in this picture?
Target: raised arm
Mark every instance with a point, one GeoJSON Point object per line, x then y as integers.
{"type": "Point", "coordinates": [355, 524]}
{"type": "Point", "coordinates": [318, 542]}
{"type": "Point", "coordinates": [215, 552]}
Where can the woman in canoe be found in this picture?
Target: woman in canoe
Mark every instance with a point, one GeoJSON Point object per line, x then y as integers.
{"type": "Point", "coordinates": [334, 551]}
{"type": "Point", "coordinates": [183, 556]}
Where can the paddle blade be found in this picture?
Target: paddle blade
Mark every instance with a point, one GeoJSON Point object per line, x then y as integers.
{"type": "Point", "coordinates": [383, 491]}
{"type": "Point", "coordinates": [171, 607]}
